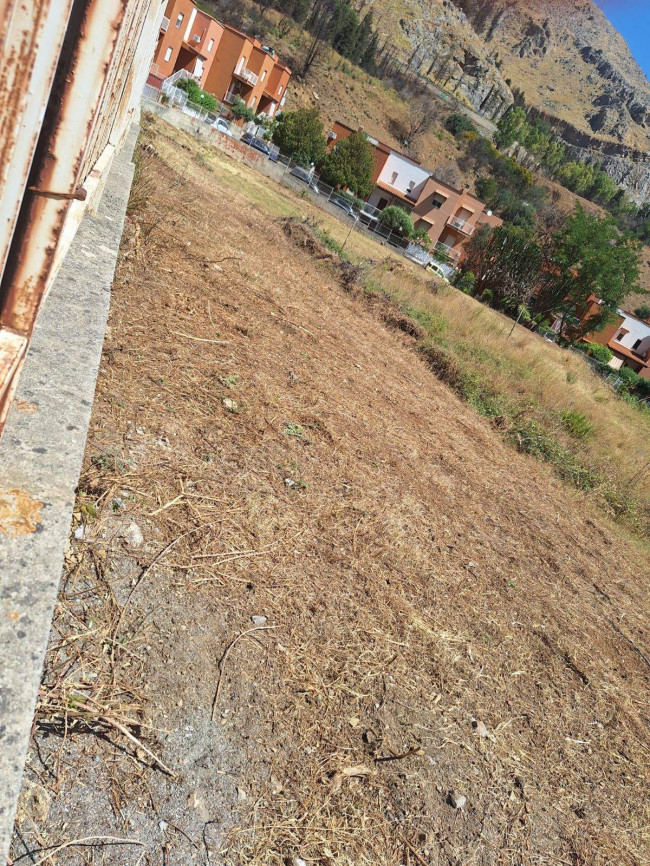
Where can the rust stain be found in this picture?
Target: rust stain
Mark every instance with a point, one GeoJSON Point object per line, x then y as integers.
{"type": "Point", "coordinates": [25, 406]}
{"type": "Point", "coordinates": [13, 615]}
{"type": "Point", "coordinates": [19, 513]}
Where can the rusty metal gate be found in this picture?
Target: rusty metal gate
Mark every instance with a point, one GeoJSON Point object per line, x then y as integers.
{"type": "Point", "coordinates": [71, 74]}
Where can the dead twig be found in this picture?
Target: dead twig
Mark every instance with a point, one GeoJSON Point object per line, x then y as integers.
{"type": "Point", "coordinates": [200, 339]}
{"type": "Point", "coordinates": [88, 840]}
{"type": "Point", "coordinates": [415, 750]}
{"type": "Point", "coordinates": [413, 851]}
{"type": "Point", "coordinates": [81, 710]}
{"type": "Point", "coordinates": [224, 657]}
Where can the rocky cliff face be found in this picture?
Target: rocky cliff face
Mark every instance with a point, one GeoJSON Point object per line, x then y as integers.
{"type": "Point", "coordinates": [577, 69]}
{"type": "Point", "coordinates": [564, 55]}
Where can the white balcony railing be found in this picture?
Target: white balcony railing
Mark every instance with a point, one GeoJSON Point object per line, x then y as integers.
{"type": "Point", "coordinates": [462, 225]}
{"type": "Point", "coordinates": [247, 75]}
{"type": "Point", "coordinates": [230, 97]}
{"type": "Point", "coordinates": [164, 25]}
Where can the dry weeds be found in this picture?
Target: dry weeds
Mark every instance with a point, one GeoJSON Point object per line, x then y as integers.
{"type": "Point", "coordinates": [441, 614]}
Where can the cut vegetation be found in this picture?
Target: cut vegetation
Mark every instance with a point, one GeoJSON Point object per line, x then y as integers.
{"type": "Point", "coordinates": [316, 609]}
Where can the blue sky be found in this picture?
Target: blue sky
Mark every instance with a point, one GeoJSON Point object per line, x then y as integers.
{"type": "Point", "coordinates": [632, 19]}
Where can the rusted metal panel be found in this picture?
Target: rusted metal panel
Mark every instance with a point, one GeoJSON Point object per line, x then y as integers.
{"type": "Point", "coordinates": [31, 34]}
{"type": "Point", "coordinates": [51, 148]}
{"type": "Point", "coordinates": [12, 352]}
{"type": "Point", "coordinates": [90, 45]}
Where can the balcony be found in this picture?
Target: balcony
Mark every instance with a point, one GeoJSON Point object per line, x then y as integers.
{"type": "Point", "coordinates": [164, 25]}
{"type": "Point", "coordinates": [448, 251]}
{"type": "Point", "coordinates": [462, 226]}
{"type": "Point", "coordinates": [230, 96]}
{"type": "Point", "coordinates": [246, 75]}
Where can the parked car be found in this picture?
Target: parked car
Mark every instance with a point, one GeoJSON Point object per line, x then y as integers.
{"type": "Point", "coordinates": [345, 205]}
{"type": "Point", "coordinates": [435, 268]}
{"type": "Point", "coordinates": [304, 175]}
{"type": "Point", "coordinates": [259, 144]}
{"type": "Point", "coordinates": [222, 125]}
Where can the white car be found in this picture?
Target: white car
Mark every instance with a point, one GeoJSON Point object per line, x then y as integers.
{"type": "Point", "coordinates": [222, 125]}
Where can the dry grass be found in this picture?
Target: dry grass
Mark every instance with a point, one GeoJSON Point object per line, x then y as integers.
{"type": "Point", "coordinates": [537, 378]}
{"type": "Point", "coordinates": [532, 373]}
{"type": "Point", "coordinates": [445, 615]}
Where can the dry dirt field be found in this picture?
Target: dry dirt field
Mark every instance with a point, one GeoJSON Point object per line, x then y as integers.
{"type": "Point", "coordinates": [315, 611]}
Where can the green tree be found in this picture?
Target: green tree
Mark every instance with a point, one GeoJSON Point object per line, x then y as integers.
{"type": "Point", "coordinates": [511, 127]}
{"type": "Point", "coordinates": [506, 265]}
{"type": "Point", "coordinates": [457, 124]}
{"type": "Point", "coordinates": [486, 188]}
{"type": "Point", "coordinates": [600, 352]}
{"type": "Point", "coordinates": [643, 312]}
{"type": "Point", "coordinates": [395, 217]}
{"type": "Point", "coordinates": [300, 134]}
{"type": "Point", "coordinates": [587, 257]}
{"type": "Point", "coordinates": [350, 164]}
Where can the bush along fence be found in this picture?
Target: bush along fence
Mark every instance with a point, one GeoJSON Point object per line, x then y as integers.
{"type": "Point", "coordinates": [244, 144]}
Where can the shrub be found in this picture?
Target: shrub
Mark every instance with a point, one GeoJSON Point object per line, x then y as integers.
{"type": "Point", "coordinates": [397, 218]}
{"type": "Point", "coordinates": [240, 109]}
{"type": "Point", "coordinates": [577, 424]}
{"type": "Point", "coordinates": [457, 124]}
{"type": "Point", "coordinates": [631, 381]}
{"type": "Point", "coordinates": [643, 312]}
{"type": "Point", "coordinates": [600, 352]}
{"type": "Point", "coordinates": [196, 95]}
{"type": "Point", "coordinates": [466, 283]}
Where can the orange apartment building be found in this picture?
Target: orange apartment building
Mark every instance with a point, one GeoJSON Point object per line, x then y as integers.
{"type": "Point", "coordinates": [189, 39]}
{"type": "Point", "coordinates": [244, 67]}
{"type": "Point", "coordinates": [225, 61]}
{"type": "Point", "coordinates": [448, 215]}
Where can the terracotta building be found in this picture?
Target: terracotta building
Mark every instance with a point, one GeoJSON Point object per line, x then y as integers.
{"type": "Point", "coordinates": [189, 39]}
{"type": "Point", "coordinates": [225, 61]}
{"type": "Point", "coordinates": [628, 338]}
{"type": "Point", "coordinates": [449, 216]}
{"type": "Point", "coordinates": [244, 67]}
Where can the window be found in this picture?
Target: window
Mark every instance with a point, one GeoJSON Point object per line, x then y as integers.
{"type": "Point", "coordinates": [253, 101]}
{"type": "Point", "coordinates": [393, 178]}
{"type": "Point", "coordinates": [179, 20]}
{"type": "Point", "coordinates": [437, 201]}
{"type": "Point", "coordinates": [636, 345]}
{"type": "Point", "coordinates": [621, 334]}
{"type": "Point", "coordinates": [168, 54]}
{"type": "Point", "coordinates": [263, 75]}
{"type": "Point", "coordinates": [279, 90]}
{"type": "Point", "coordinates": [210, 45]}
{"type": "Point", "coordinates": [411, 185]}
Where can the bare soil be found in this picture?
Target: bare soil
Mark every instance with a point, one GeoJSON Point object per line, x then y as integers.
{"type": "Point", "coordinates": [324, 597]}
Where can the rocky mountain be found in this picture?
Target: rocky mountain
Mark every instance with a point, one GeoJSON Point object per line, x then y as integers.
{"type": "Point", "coordinates": [569, 61]}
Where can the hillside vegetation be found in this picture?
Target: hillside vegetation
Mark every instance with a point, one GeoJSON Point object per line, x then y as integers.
{"type": "Point", "coordinates": [402, 111]}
